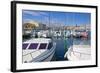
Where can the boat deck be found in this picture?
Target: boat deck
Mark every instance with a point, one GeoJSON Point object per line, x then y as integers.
{"type": "Point", "coordinates": [78, 52]}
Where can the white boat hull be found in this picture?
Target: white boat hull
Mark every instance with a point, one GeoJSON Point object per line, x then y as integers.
{"type": "Point", "coordinates": [30, 56]}
{"type": "Point", "coordinates": [78, 52]}
{"type": "Point", "coordinates": [45, 56]}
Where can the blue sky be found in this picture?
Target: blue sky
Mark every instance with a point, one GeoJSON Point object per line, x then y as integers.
{"type": "Point", "coordinates": [58, 18]}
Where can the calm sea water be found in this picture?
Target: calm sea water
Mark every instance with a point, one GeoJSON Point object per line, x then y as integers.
{"type": "Point", "coordinates": [59, 52]}
{"type": "Point", "coordinates": [62, 46]}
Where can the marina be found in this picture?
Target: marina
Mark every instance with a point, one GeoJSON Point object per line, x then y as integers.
{"type": "Point", "coordinates": [48, 40]}
{"type": "Point", "coordinates": [63, 45]}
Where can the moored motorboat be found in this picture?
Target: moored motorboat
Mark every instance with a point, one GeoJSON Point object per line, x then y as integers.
{"type": "Point", "coordinates": [38, 50]}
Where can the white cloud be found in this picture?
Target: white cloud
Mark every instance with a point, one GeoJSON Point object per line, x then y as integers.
{"type": "Point", "coordinates": [28, 20]}
{"type": "Point", "coordinates": [35, 13]}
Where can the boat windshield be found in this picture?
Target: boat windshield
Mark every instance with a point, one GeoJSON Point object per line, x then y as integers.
{"type": "Point", "coordinates": [33, 46]}
{"type": "Point", "coordinates": [24, 46]}
{"type": "Point", "coordinates": [43, 46]}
